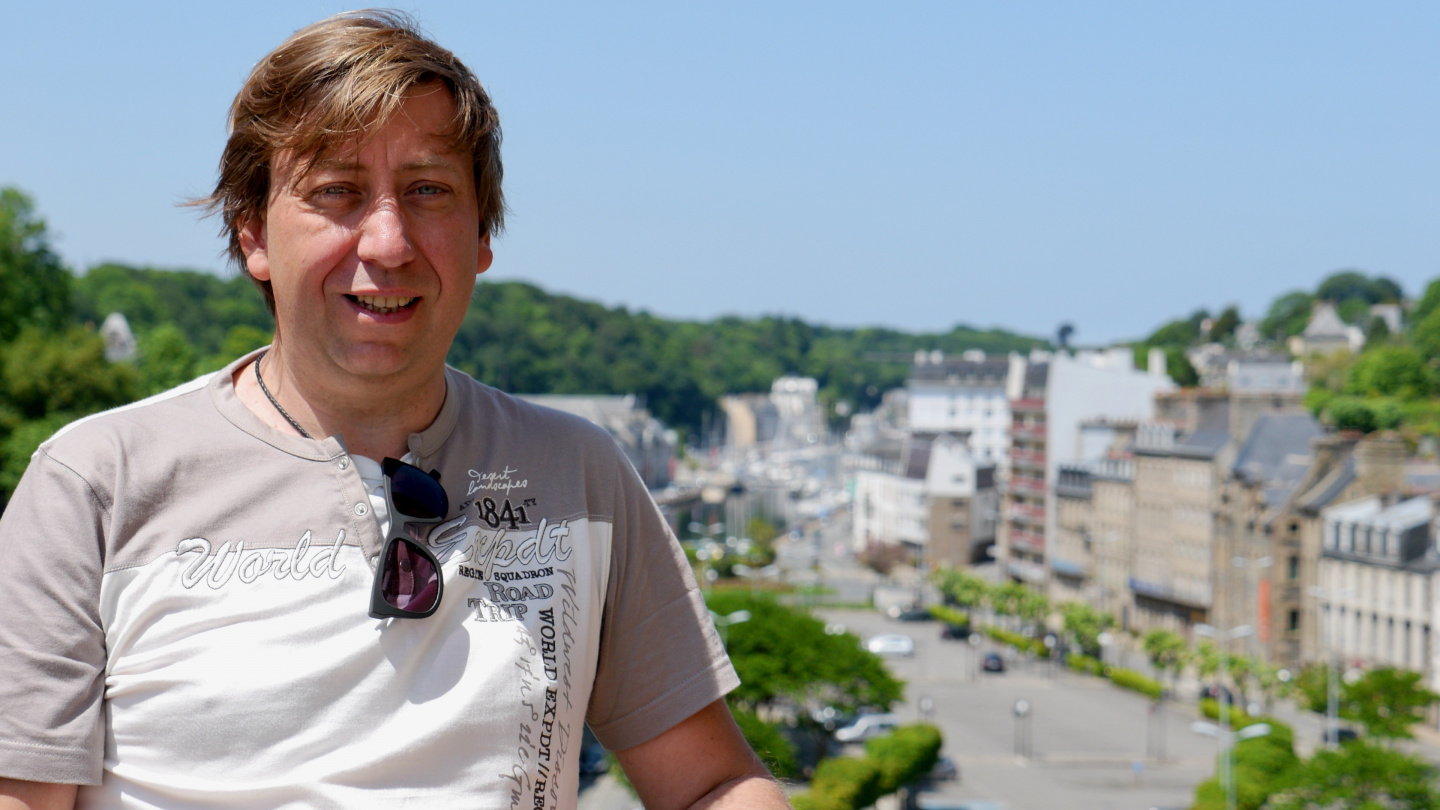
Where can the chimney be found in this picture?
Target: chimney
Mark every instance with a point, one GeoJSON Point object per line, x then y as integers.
{"type": "Point", "coordinates": [1380, 463]}
{"type": "Point", "coordinates": [1156, 362]}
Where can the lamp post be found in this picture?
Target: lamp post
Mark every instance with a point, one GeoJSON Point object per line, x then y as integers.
{"type": "Point", "coordinates": [1251, 568]}
{"type": "Point", "coordinates": [1227, 740]}
{"type": "Point", "coordinates": [1332, 662]}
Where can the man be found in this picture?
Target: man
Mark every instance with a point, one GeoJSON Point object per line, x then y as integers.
{"type": "Point", "coordinates": [183, 615]}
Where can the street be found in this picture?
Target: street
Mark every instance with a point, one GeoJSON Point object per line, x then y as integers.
{"type": "Point", "coordinates": [1087, 736]}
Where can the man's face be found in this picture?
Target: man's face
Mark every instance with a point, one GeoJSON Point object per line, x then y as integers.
{"type": "Point", "coordinates": [373, 254]}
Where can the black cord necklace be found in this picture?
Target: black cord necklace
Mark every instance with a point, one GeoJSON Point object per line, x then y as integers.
{"type": "Point", "coordinates": [276, 403]}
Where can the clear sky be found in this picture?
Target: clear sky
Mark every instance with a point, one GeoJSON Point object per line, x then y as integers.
{"type": "Point", "coordinates": [913, 165]}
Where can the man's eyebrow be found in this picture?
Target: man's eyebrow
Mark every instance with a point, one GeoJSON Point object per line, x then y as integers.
{"type": "Point", "coordinates": [431, 162]}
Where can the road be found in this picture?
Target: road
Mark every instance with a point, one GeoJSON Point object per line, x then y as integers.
{"type": "Point", "coordinates": [1087, 735]}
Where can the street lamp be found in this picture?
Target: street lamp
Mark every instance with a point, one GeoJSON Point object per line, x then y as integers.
{"type": "Point", "coordinates": [722, 623]}
{"type": "Point", "coordinates": [1332, 661]}
{"type": "Point", "coordinates": [1227, 740]}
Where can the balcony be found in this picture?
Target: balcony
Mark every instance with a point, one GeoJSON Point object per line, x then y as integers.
{"type": "Point", "coordinates": [1026, 485]}
{"type": "Point", "coordinates": [1024, 513]}
{"type": "Point", "coordinates": [1030, 433]}
{"type": "Point", "coordinates": [1027, 406]}
{"type": "Point", "coordinates": [1028, 542]}
{"type": "Point", "coordinates": [1028, 459]}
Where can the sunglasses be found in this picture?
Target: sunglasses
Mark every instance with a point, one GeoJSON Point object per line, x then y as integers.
{"type": "Point", "coordinates": [408, 583]}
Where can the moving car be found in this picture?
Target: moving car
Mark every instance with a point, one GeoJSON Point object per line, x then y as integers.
{"type": "Point", "coordinates": [992, 662]}
{"type": "Point", "coordinates": [891, 644]}
{"type": "Point", "coordinates": [945, 770]}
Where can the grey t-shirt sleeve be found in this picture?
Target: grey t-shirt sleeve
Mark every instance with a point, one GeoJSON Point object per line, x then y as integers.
{"type": "Point", "coordinates": [52, 642]}
{"type": "Point", "coordinates": [660, 657]}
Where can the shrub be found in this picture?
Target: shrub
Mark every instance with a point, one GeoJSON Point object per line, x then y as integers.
{"type": "Point", "coordinates": [891, 762]}
{"type": "Point", "coordinates": [1134, 681]}
{"type": "Point", "coordinates": [1019, 642]}
{"type": "Point", "coordinates": [904, 755]}
{"type": "Point", "coordinates": [1084, 663]}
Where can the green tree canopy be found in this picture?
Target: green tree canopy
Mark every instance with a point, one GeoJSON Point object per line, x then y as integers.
{"type": "Point", "coordinates": [788, 664]}
{"type": "Point", "coordinates": [1359, 776]}
{"type": "Point", "coordinates": [1398, 371]}
{"type": "Point", "coordinates": [34, 285]}
{"type": "Point", "coordinates": [1387, 701]}
{"type": "Point", "coordinates": [1085, 624]}
{"type": "Point", "coordinates": [1348, 285]}
{"type": "Point", "coordinates": [1287, 315]}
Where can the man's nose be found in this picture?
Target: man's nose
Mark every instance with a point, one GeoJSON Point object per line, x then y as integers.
{"type": "Point", "coordinates": [385, 236]}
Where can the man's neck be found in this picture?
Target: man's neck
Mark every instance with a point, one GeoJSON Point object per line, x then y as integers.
{"type": "Point", "coordinates": [375, 417]}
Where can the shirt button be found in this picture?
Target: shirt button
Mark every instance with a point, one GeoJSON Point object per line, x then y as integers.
{"type": "Point", "coordinates": [344, 462]}
{"type": "Point", "coordinates": [361, 509]}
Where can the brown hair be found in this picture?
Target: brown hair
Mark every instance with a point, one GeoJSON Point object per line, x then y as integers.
{"type": "Point", "coordinates": [340, 78]}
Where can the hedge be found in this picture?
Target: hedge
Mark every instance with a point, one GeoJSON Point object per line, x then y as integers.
{"type": "Point", "coordinates": [1130, 679]}
{"type": "Point", "coordinates": [1084, 663]}
{"type": "Point", "coordinates": [891, 762]}
{"type": "Point", "coordinates": [955, 618]}
{"type": "Point", "coordinates": [1019, 642]}
{"type": "Point", "coordinates": [1239, 718]}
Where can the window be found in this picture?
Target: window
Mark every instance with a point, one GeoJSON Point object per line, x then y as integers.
{"type": "Point", "coordinates": [1294, 621]}
{"type": "Point", "coordinates": [1292, 569]}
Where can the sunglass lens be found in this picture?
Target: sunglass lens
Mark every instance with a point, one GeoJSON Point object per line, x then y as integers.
{"type": "Point", "coordinates": [417, 495]}
{"type": "Point", "coordinates": [409, 580]}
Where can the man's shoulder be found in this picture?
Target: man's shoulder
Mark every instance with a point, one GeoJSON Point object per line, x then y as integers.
{"type": "Point", "coordinates": [535, 418]}
{"type": "Point", "coordinates": [168, 416]}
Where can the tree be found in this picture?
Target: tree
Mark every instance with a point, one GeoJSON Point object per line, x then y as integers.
{"type": "Point", "coordinates": [789, 665]}
{"type": "Point", "coordinates": [1224, 327]}
{"type": "Point", "coordinates": [1166, 650]}
{"type": "Point", "coordinates": [1287, 315]}
{"type": "Point", "coordinates": [1085, 624]}
{"type": "Point", "coordinates": [1428, 303]}
{"type": "Point", "coordinates": [1387, 701]}
{"type": "Point", "coordinates": [34, 285]}
{"type": "Point", "coordinates": [1358, 775]}
{"type": "Point", "coordinates": [962, 588]}
{"type": "Point", "coordinates": [1398, 371]}
{"type": "Point", "coordinates": [1063, 335]}
{"type": "Point", "coordinates": [1353, 285]}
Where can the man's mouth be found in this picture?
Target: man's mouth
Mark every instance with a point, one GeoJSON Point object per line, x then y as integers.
{"type": "Point", "coordinates": [383, 304]}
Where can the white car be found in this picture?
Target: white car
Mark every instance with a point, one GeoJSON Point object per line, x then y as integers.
{"type": "Point", "coordinates": [867, 726]}
{"type": "Point", "coordinates": [891, 644]}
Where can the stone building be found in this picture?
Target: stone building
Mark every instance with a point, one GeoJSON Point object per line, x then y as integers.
{"type": "Point", "coordinates": [1378, 576]}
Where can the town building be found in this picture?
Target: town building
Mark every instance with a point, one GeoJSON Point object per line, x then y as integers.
{"type": "Point", "coordinates": [1377, 584]}
{"type": "Point", "coordinates": [1058, 395]}
{"type": "Point", "coordinates": [938, 501]}
{"type": "Point", "coordinates": [966, 397]}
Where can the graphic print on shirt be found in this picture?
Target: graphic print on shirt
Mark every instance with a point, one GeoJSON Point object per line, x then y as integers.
{"type": "Point", "coordinates": [523, 571]}
{"type": "Point", "coordinates": [218, 567]}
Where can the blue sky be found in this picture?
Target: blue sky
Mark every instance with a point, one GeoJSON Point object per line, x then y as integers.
{"type": "Point", "coordinates": [914, 165]}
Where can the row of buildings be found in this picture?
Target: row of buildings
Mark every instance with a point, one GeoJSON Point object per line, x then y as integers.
{"type": "Point", "coordinates": [1097, 482]}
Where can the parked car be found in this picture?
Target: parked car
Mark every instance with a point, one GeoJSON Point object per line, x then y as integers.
{"type": "Point", "coordinates": [915, 614]}
{"type": "Point", "coordinates": [945, 770]}
{"type": "Point", "coordinates": [1217, 693]}
{"type": "Point", "coordinates": [1340, 735]}
{"type": "Point", "coordinates": [867, 726]}
{"type": "Point", "coordinates": [992, 662]}
{"type": "Point", "coordinates": [960, 632]}
{"type": "Point", "coordinates": [891, 644]}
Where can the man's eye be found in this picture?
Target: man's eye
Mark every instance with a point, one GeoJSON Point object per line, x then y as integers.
{"type": "Point", "coordinates": [429, 190]}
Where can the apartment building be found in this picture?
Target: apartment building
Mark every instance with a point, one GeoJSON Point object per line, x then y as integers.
{"type": "Point", "coordinates": [1057, 397]}
{"type": "Point", "coordinates": [968, 397]}
{"type": "Point", "coordinates": [1379, 569]}
{"type": "Point", "coordinates": [939, 501]}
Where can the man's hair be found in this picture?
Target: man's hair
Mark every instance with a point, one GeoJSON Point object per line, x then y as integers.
{"type": "Point", "coordinates": [342, 79]}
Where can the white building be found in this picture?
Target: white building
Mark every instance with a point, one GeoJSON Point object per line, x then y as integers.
{"type": "Point", "coordinates": [1377, 584]}
{"type": "Point", "coordinates": [939, 496]}
{"type": "Point", "coordinates": [968, 397]}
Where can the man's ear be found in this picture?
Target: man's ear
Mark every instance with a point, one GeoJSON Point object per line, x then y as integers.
{"type": "Point", "coordinates": [253, 243]}
{"type": "Point", "coordinates": [486, 256]}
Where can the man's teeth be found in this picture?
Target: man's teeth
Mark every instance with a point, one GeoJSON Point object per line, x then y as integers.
{"type": "Point", "coordinates": [382, 303]}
